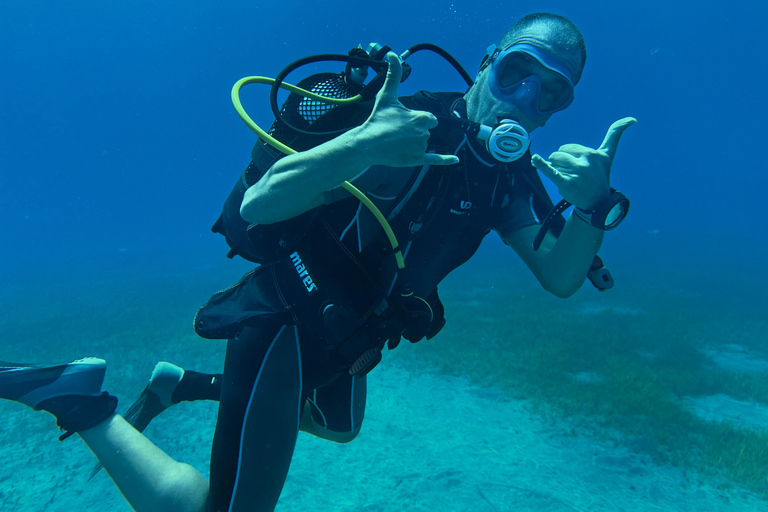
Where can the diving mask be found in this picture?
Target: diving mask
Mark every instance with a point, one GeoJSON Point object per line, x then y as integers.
{"type": "Point", "coordinates": [516, 79]}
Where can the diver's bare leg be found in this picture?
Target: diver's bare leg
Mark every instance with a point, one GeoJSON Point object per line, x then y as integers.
{"type": "Point", "coordinates": [146, 476]}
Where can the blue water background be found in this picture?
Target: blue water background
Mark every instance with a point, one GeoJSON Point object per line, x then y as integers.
{"type": "Point", "coordinates": [119, 144]}
{"type": "Point", "coordinates": [119, 141]}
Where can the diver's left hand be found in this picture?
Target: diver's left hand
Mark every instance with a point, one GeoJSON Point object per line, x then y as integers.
{"type": "Point", "coordinates": [582, 174]}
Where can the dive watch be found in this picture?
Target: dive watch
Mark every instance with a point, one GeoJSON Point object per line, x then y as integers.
{"type": "Point", "coordinates": [608, 213]}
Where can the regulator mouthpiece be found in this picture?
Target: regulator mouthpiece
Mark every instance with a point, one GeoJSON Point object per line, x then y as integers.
{"type": "Point", "coordinates": [507, 142]}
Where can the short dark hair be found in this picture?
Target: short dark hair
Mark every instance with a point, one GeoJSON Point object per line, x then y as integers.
{"type": "Point", "coordinates": [558, 31]}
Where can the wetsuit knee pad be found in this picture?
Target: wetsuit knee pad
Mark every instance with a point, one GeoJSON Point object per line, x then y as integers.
{"type": "Point", "coordinates": [334, 435]}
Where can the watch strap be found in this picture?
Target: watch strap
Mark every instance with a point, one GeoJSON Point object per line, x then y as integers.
{"type": "Point", "coordinates": [584, 215]}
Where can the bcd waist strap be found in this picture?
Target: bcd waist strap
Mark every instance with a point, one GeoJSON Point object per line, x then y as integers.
{"type": "Point", "coordinates": [329, 292]}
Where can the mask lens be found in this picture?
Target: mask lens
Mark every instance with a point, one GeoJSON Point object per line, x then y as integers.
{"type": "Point", "coordinates": [555, 94]}
{"type": "Point", "coordinates": [517, 67]}
{"type": "Point", "coordinates": [514, 68]}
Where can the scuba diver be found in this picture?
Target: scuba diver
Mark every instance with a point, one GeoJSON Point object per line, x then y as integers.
{"type": "Point", "coordinates": [347, 270]}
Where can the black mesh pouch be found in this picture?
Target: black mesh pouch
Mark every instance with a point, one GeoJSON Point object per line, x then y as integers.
{"type": "Point", "coordinates": [265, 242]}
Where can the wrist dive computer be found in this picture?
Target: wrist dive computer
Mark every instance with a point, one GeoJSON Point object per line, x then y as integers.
{"type": "Point", "coordinates": [608, 214]}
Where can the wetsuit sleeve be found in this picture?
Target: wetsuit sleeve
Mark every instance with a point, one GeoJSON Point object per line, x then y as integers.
{"type": "Point", "coordinates": [513, 207]}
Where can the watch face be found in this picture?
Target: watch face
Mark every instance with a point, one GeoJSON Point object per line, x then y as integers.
{"type": "Point", "coordinates": [617, 213]}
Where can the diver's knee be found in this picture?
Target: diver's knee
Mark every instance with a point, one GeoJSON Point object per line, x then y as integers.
{"type": "Point", "coordinates": [184, 489]}
{"type": "Point", "coordinates": [312, 428]}
{"type": "Point", "coordinates": [346, 437]}
{"type": "Point", "coordinates": [338, 437]}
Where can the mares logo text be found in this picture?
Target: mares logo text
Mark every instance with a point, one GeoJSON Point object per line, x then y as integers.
{"type": "Point", "coordinates": [309, 284]}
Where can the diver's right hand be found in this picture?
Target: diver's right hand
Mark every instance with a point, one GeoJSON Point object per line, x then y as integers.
{"type": "Point", "coordinates": [396, 136]}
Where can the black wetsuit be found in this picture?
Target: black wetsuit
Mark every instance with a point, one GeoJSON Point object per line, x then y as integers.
{"type": "Point", "coordinates": [278, 357]}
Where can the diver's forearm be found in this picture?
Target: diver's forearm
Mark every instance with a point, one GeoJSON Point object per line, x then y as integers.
{"type": "Point", "coordinates": [568, 262]}
{"type": "Point", "coordinates": [296, 183]}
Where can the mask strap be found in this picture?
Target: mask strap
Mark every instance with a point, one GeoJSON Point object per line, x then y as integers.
{"type": "Point", "coordinates": [490, 55]}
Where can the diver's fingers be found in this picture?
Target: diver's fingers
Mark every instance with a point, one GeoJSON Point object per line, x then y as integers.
{"type": "Point", "coordinates": [576, 150]}
{"type": "Point", "coordinates": [435, 159]}
{"type": "Point", "coordinates": [564, 160]}
{"type": "Point", "coordinates": [612, 138]}
{"type": "Point", "coordinates": [545, 168]}
{"type": "Point", "coordinates": [388, 91]}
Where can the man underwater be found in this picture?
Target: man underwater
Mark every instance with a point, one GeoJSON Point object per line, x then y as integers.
{"type": "Point", "coordinates": [306, 326]}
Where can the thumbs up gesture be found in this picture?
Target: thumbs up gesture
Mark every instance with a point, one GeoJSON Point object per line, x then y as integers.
{"type": "Point", "coordinates": [394, 135]}
{"type": "Point", "coordinates": [582, 174]}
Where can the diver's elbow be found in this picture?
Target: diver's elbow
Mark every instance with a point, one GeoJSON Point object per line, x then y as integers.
{"type": "Point", "coordinates": [259, 214]}
{"type": "Point", "coordinates": [561, 290]}
{"type": "Point", "coordinates": [255, 207]}
{"type": "Point", "coordinates": [249, 213]}
{"type": "Point", "coordinates": [269, 207]}
{"type": "Point", "coordinates": [560, 293]}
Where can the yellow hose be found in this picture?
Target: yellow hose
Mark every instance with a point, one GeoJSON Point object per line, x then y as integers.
{"type": "Point", "coordinates": [288, 151]}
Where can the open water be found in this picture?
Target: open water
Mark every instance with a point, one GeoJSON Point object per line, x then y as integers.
{"type": "Point", "coordinates": [118, 145]}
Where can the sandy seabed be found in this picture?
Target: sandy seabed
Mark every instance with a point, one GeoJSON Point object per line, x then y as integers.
{"type": "Point", "coordinates": [428, 443]}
